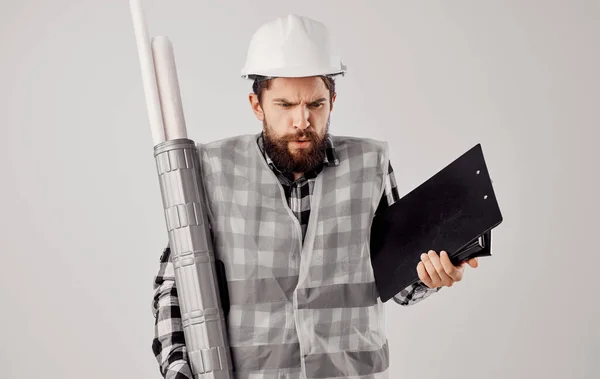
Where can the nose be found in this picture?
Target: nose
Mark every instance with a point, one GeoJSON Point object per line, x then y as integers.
{"type": "Point", "coordinates": [301, 116]}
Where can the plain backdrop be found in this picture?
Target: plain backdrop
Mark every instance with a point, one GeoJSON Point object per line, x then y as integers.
{"type": "Point", "coordinates": [82, 224]}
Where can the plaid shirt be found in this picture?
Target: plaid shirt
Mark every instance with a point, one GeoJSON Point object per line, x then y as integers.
{"type": "Point", "coordinates": [169, 343]}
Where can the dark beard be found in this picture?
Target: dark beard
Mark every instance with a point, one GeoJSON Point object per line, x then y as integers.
{"type": "Point", "coordinates": [304, 160]}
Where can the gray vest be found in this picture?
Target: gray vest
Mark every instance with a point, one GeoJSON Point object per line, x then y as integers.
{"type": "Point", "coordinates": [298, 310]}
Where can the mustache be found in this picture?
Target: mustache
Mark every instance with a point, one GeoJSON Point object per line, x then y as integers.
{"type": "Point", "coordinates": [301, 135]}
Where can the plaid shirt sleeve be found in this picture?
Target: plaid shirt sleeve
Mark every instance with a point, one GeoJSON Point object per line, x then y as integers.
{"type": "Point", "coordinates": [418, 291]}
{"type": "Point", "coordinates": [168, 344]}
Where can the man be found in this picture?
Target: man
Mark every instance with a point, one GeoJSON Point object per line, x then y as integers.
{"type": "Point", "coordinates": [290, 208]}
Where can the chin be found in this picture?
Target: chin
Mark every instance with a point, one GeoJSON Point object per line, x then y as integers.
{"type": "Point", "coordinates": [294, 150]}
{"type": "Point", "coordinates": [299, 152]}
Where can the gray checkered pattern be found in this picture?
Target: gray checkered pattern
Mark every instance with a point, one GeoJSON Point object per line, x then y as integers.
{"type": "Point", "coordinates": [254, 234]}
{"type": "Point", "coordinates": [348, 199]}
{"type": "Point", "coordinates": [257, 237]}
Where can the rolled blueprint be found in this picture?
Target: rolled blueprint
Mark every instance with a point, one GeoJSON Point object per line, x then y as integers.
{"type": "Point", "coordinates": [148, 76]}
{"type": "Point", "coordinates": [168, 88]}
{"type": "Point", "coordinates": [178, 166]}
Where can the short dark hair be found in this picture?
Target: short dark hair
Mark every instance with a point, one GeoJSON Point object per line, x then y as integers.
{"type": "Point", "coordinates": [261, 83]}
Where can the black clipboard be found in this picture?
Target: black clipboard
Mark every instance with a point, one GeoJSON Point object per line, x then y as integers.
{"type": "Point", "coordinates": [454, 210]}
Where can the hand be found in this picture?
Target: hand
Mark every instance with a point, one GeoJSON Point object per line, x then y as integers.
{"type": "Point", "coordinates": [438, 271]}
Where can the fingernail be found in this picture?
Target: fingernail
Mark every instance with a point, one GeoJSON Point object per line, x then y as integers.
{"type": "Point", "coordinates": [423, 256]}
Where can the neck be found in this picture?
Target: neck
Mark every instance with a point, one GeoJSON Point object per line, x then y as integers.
{"type": "Point", "coordinates": [297, 175]}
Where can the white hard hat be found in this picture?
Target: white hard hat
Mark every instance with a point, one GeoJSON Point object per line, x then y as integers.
{"type": "Point", "coordinates": [292, 46]}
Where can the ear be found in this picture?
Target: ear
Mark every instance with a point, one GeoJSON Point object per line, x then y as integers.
{"type": "Point", "coordinates": [333, 101]}
{"type": "Point", "coordinates": [255, 105]}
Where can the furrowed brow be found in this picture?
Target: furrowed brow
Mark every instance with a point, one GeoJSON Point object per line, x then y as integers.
{"type": "Point", "coordinates": [282, 100]}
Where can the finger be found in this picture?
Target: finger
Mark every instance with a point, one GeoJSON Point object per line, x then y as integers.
{"type": "Point", "coordinates": [454, 272]}
{"type": "Point", "coordinates": [433, 274]}
{"type": "Point", "coordinates": [435, 260]}
{"type": "Point", "coordinates": [473, 262]}
{"type": "Point", "coordinates": [423, 275]}
{"type": "Point", "coordinates": [428, 280]}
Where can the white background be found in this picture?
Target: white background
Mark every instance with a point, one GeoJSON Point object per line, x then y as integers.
{"type": "Point", "coordinates": [82, 224]}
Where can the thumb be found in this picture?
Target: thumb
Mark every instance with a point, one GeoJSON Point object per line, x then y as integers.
{"type": "Point", "coordinates": [473, 262]}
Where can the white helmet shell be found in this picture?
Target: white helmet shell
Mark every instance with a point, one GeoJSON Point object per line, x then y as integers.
{"type": "Point", "coordinates": [292, 46]}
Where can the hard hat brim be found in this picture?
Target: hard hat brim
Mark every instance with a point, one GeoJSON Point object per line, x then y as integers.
{"type": "Point", "coordinates": [293, 72]}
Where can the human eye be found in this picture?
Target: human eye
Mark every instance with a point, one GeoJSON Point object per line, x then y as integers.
{"type": "Point", "coordinates": [316, 105]}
